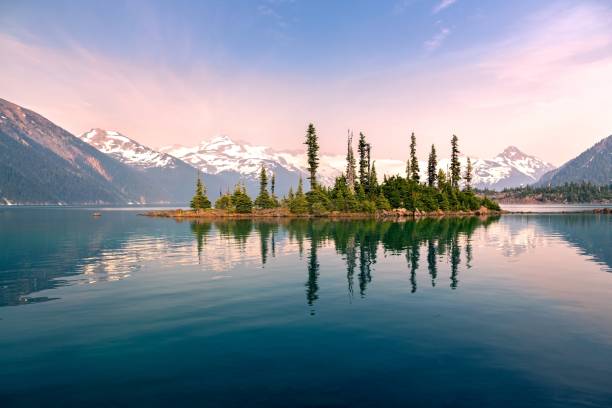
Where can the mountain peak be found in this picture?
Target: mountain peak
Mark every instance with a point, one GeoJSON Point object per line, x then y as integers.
{"type": "Point", "coordinates": [97, 135]}
{"type": "Point", "coordinates": [512, 152]}
{"type": "Point", "coordinates": [221, 138]}
{"type": "Point", "coordinates": [126, 150]}
{"type": "Point", "coordinates": [218, 141]}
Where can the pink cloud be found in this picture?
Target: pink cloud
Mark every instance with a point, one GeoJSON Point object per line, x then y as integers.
{"type": "Point", "coordinates": [545, 88]}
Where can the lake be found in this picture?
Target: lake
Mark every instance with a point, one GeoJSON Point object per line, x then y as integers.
{"type": "Point", "coordinates": [125, 310]}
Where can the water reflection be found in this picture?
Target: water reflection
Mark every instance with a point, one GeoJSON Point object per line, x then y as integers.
{"type": "Point", "coordinates": [358, 243]}
{"type": "Point", "coordinates": [46, 251]}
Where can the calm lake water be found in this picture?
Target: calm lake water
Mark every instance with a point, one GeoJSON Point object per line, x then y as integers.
{"type": "Point", "coordinates": [125, 310]}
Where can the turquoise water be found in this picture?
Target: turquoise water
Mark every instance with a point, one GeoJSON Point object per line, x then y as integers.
{"type": "Point", "coordinates": [124, 310]}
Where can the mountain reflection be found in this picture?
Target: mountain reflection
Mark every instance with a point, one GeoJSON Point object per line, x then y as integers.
{"type": "Point", "coordinates": [45, 250]}
{"type": "Point", "coordinates": [359, 243]}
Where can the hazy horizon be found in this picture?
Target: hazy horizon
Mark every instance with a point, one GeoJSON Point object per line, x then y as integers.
{"type": "Point", "coordinates": [535, 76]}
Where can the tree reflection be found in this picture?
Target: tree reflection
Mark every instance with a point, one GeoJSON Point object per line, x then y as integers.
{"type": "Point", "coordinates": [201, 230]}
{"type": "Point", "coordinates": [360, 243]}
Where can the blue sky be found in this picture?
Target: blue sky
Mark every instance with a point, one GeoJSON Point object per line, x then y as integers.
{"type": "Point", "coordinates": [303, 37]}
{"type": "Point", "coordinates": [260, 70]}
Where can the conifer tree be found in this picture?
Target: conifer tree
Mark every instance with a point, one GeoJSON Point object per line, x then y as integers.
{"type": "Point", "coordinates": [241, 202]}
{"type": "Point", "coordinates": [224, 202]}
{"type": "Point", "coordinates": [263, 200]}
{"type": "Point", "coordinates": [363, 160]}
{"type": "Point", "coordinates": [298, 204]}
{"type": "Point", "coordinates": [407, 169]}
{"type": "Point", "coordinates": [432, 163]}
{"type": "Point", "coordinates": [275, 202]}
{"type": "Point", "coordinates": [441, 179]}
{"type": "Point", "coordinates": [455, 166]}
{"type": "Point", "coordinates": [200, 200]}
{"type": "Point", "coordinates": [312, 151]}
{"type": "Point", "coordinates": [263, 180]}
{"type": "Point", "coordinates": [373, 183]}
{"type": "Point", "coordinates": [369, 160]}
{"type": "Point", "coordinates": [350, 163]}
{"type": "Point", "coordinates": [414, 162]}
{"type": "Point", "coordinates": [468, 175]}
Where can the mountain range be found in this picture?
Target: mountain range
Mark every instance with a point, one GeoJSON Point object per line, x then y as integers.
{"type": "Point", "coordinates": [511, 168]}
{"type": "Point", "coordinates": [41, 163]}
{"type": "Point", "coordinates": [593, 165]}
{"type": "Point", "coordinates": [176, 177]}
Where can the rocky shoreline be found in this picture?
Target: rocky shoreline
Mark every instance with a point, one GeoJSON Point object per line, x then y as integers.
{"type": "Point", "coordinates": [285, 213]}
{"type": "Point", "coordinates": [390, 214]}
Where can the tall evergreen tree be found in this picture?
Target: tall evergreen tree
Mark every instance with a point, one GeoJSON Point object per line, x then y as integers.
{"type": "Point", "coordinates": [263, 200]}
{"type": "Point", "coordinates": [441, 179]}
{"type": "Point", "coordinates": [468, 175]}
{"type": "Point", "coordinates": [350, 163]}
{"type": "Point", "coordinates": [273, 184]}
{"type": "Point", "coordinates": [414, 162]}
{"type": "Point", "coordinates": [432, 163]}
{"type": "Point", "coordinates": [312, 151]}
{"type": "Point", "coordinates": [373, 182]}
{"type": "Point", "coordinates": [200, 200]}
{"type": "Point", "coordinates": [298, 204]}
{"type": "Point", "coordinates": [363, 160]}
{"type": "Point", "coordinates": [455, 166]}
{"type": "Point", "coordinates": [369, 159]}
{"type": "Point", "coordinates": [263, 180]}
{"type": "Point", "coordinates": [241, 202]}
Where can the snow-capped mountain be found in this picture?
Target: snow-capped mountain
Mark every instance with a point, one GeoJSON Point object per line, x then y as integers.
{"type": "Point", "coordinates": [222, 155]}
{"type": "Point", "coordinates": [127, 150]}
{"type": "Point", "coordinates": [168, 173]}
{"type": "Point", "coordinates": [510, 168]}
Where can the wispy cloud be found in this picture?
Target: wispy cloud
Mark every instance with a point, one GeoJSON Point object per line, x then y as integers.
{"type": "Point", "coordinates": [437, 40]}
{"type": "Point", "coordinates": [443, 5]}
{"type": "Point", "coordinates": [545, 82]}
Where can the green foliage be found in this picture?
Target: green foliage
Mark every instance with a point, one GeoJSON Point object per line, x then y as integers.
{"type": "Point", "coordinates": [350, 164]}
{"type": "Point", "coordinates": [200, 201]}
{"type": "Point", "coordinates": [468, 175]}
{"type": "Point", "coordinates": [368, 206]}
{"type": "Point", "coordinates": [566, 193]}
{"type": "Point", "coordinates": [297, 202]}
{"type": "Point", "coordinates": [432, 163]}
{"type": "Point", "coordinates": [224, 202]}
{"type": "Point", "coordinates": [264, 200]}
{"type": "Point", "coordinates": [441, 179]}
{"type": "Point", "coordinates": [241, 202]}
{"type": "Point", "coordinates": [366, 194]}
{"type": "Point", "coordinates": [382, 203]}
{"type": "Point", "coordinates": [342, 197]}
{"type": "Point", "coordinates": [373, 182]}
{"type": "Point", "coordinates": [312, 153]}
{"type": "Point", "coordinates": [414, 162]}
{"type": "Point", "coordinates": [490, 204]}
{"type": "Point", "coordinates": [362, 148]}
{"type": "Point", "coordinates": [403, 193]}
{"type": "Point", "coordinates": [455, 166]}
{"type": "Point", "coordinates": [318, 201]}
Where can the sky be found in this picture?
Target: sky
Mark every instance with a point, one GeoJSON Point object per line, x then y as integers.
{"type": "Point", "coordinates": [534, 74]}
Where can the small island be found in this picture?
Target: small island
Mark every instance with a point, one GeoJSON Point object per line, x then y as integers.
{"type": "Point", "coordinates": [356, 193]}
